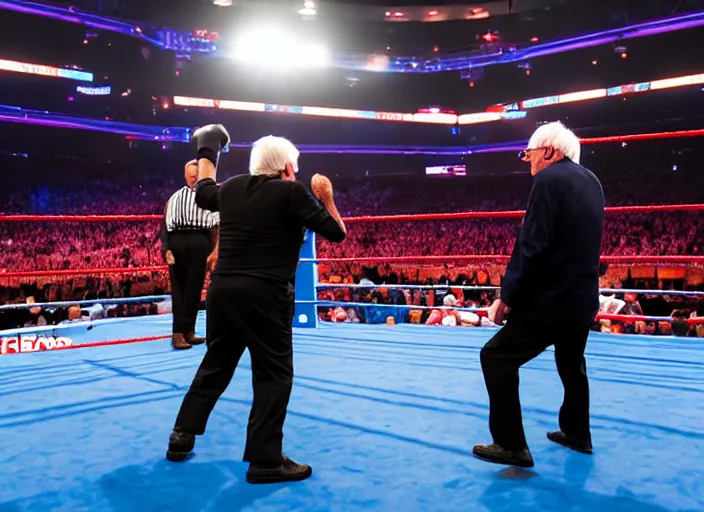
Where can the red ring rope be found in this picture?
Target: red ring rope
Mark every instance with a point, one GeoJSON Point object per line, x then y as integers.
{"type": "Point", "coordinates": [99, 344]}
{"type": "Point", "coordinates": [507, 214]}
{"type": "Point", "coordinates": [83, 272]}
{"type": "Point", "coordinates": [79, 218]}
{"type": "Point", "coordinates": [643, 136]}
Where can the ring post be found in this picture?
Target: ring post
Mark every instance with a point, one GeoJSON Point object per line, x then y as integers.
{"type": "Point", "coordinates": [306, 281]}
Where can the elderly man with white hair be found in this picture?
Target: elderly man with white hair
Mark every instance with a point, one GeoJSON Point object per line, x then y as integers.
{"type": "Point", "coordinates": [550, 295]}
{"type": "Point", "coordinates": [250, 301]}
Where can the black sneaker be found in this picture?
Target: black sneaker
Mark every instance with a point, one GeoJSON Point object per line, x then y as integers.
{"type": "Point", "coordinates": [498, 455]}
{"type": "Point", "coordinates": [578, 445]}
{"type": "Point", "coordinates": [286, 471]}
{"type": "Point", "coordinates": [180, 446]}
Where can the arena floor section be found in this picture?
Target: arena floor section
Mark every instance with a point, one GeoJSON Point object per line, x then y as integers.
{"type": "Point", "coordinates": [387, 417]}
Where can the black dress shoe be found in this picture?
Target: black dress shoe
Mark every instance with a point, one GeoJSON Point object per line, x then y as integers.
{"type": "Point", "coordinates": [498, 455]}
{"type": "Point", "coordinates": [180, 446]}
{"type": "Point", "coordinates": [286, 471]}
{"type": "Point", "coordinates": [579, 445]}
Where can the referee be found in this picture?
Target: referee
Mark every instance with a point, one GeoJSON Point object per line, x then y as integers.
{"type": "Point", "coordinates": [190, 247]}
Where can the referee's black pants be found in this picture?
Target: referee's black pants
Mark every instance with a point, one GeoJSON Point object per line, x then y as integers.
{"type": "Point", "coordinates": [246, 313]}
{"type": "Point", "coordinates": [513, 346]}
{"type": "Point", "coordinates": [191, 250]}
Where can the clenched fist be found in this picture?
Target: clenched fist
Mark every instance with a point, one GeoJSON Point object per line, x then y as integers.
{"type": "Point", "coordinates": [321, 187]}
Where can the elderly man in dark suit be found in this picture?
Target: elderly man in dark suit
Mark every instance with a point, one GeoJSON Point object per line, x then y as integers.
{"type": "Point", "coordinates": [550, 296]}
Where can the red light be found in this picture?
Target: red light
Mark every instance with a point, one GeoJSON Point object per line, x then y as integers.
{"type": "Point", "coordinates": [433, 13]}
{"type": "Point", "coordinates": [527, 72]}
{"type": "Point", "coordinates": [436, 49]}
{"type": "Point", "coordinates": [85, 41]}
{"type": "Point", "coordinates": [164, 105]}
{"type": "Point", "coordinates": [388, 13]}
{"type": "Point", "coordinates": [534, 39]}
{"type": "Point", "coordinates": [471, 84]}
{"type": "Point", "coordinates": [489, 37]}
{"type": "Point", "coordinates": [398, 15]}
{"type": "Point", "coordinates": [206, 35]}
{"type": "Point", "coordinates": [595, 62]}
{"type": "Point", "coordinates": [624, 55]}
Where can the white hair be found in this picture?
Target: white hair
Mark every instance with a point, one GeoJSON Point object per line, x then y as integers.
{"type": "Point", "coordinates": [557, 136]}
{"type": "Point", "coordinates": [271, 154]}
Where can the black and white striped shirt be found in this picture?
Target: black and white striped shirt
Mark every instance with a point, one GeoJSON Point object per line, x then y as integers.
{"type": "Point", "coordinates": [182, 213]}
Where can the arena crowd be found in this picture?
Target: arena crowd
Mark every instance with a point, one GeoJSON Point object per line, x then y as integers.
{"type": "Point", "coordinates": [29, 246]}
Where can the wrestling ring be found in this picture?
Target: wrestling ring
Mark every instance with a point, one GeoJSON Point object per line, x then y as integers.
{"type": "Point", "coordinates": [392, 411]}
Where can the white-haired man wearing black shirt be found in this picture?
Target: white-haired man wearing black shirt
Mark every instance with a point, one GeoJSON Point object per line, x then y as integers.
{"type": "Point", "coordinates": [250, 301]}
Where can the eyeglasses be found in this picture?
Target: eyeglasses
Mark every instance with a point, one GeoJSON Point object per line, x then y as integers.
{"type": "Point", "coordinates": [523, 155]}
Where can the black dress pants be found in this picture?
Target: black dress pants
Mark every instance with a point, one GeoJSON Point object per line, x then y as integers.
{"type": "Point", "coordinates": [246, 313]}
{"type": "Point", "coordinates": [513, 346]}
{"type": "Point", "coordinates": [191, 250]}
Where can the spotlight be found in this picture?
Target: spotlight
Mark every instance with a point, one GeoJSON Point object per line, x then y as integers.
{"type": "Point", "coordinates": [308, 9]}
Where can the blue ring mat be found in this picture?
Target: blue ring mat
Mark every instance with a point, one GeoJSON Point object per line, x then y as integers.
{"type": "Point", "coordinates": [387, 417]}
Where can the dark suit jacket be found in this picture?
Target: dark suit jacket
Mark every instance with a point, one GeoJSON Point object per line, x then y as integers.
{"type": "Point", "coordinates": [553, 273]}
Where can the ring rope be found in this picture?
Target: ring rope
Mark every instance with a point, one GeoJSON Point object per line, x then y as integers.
{"type": "Point", "coordinates": [324, 286]}
{"type": "Point", "coordinates": [60, 304]}
{"type": "Point", "coordinates": [369, 218]}
{"type": "Point", "coordinates": [646, 318]}
{"type": "Point", "coordinates": [83, 272]}
{"type": "Point", "coordinates": [94, 344]}
{"type": "Point", "coordinates": [690, 293]}
{"type": "Point", "coordinates": [407, 286]}
{"type": "Point", "coordinates": [511, 214]}
{"type": "Point", "coordinates": [79, 218]}
{"type": "Point", "coordinates": [484, 310]}
{"type": "Point", "coordinates": [643, 136]}
{"type": "Point", "coordinates": [498, 257]}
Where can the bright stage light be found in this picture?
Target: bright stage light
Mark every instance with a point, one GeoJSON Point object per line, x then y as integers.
{"type": "Point", "coordinates": [308, 9]}
{"type": "Point", "coordinates": [271, 47]}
